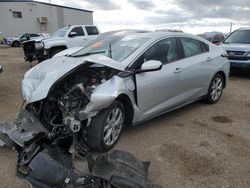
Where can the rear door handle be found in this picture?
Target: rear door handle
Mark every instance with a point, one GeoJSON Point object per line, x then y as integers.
{"type": "Point", "coordinates": [177, 70]}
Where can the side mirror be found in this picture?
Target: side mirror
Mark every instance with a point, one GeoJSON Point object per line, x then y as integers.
{"type": "Point", "coordinates": [151, 65]}
{"type": "Point", "coordinates": [72, 34]}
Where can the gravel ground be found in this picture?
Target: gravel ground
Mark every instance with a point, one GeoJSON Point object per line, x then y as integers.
{"type": "Point", "coordinates": [197, 146]}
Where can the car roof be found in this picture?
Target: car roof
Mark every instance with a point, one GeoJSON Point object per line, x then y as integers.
{"type": "Point", "coordinates": [159, 35]}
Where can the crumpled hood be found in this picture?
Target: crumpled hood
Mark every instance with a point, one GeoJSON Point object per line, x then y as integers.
{"type": "Point", "coordinates": [236, 47]}
{"type": "Point", "coordinates": [38, 80]}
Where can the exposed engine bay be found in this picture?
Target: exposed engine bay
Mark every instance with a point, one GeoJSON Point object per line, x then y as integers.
{"type": "Point", "coordinates": [62, 111]}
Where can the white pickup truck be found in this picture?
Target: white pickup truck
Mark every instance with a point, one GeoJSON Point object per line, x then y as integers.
{"type": "Point", "coordinates": [64, 38]}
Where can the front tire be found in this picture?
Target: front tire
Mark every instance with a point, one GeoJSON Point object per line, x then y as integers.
{"type": "Point", "coordinates": [215, 89]}
{"type": "Point", "coordinates": [105, 128]}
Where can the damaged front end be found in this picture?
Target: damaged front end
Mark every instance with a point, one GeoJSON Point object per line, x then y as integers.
{"type": "Point", "coordinates": [51, 130]}
{"type": "Point", "coordinates": [45, 161]}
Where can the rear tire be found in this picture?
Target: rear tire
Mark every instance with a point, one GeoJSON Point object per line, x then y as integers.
{"type": "Point", "coordinates": [105, 128]}
{"type": "Point", "coordinates": [215, 89]}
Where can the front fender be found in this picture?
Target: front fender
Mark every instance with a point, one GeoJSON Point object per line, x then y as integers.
{"type": "Point", "coordinates": [107, 92]}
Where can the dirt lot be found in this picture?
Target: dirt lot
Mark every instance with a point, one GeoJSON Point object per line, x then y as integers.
{"type": "Point", "coordinates": [197, 146]}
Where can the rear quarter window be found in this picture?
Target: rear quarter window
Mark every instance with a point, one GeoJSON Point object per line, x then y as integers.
{"type": "Point", "coordinates": [92, 30]}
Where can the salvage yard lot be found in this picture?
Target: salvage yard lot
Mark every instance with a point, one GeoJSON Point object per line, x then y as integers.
{"type": "Point", "coordinates": [199, 145]}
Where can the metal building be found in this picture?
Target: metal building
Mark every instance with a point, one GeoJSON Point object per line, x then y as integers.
{"type": "Point", "coordinates": [21, 16]}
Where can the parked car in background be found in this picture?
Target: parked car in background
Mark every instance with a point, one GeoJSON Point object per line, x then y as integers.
{"type": "Point", "coordinates": [64, 38]}
{"type": "Point", "coordinates": [94, 92]}
{"type": "Point", "coordinates": [237, 45]}
{"type": "Point", "coordinates": [1, 69]}
{"type": "Point", "coordinates": [16, 41]}
{"type": "Point", "coordinates": [214, 37]}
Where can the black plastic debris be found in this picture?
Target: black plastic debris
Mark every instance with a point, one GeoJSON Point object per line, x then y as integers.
{"type": "Point", "coordinates": [121, 169]}
{"type": "Point", "coordinates": [46, 159]}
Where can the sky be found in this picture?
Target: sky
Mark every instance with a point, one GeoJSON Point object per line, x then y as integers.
{"type": "Point", "coordinates": [192, 16]}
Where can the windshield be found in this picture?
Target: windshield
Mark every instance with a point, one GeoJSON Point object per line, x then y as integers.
{"type": "Point", "coordinates": [60, 32]}
{"type": "Point", "coordinates": [239, 36]}
{"type": "Point", "coordinates": [116, 47]}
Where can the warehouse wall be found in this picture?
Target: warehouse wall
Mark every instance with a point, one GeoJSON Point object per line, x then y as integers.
{"type": "Point", "coordinates": [77, 17]}
{"type": "Point", "coordinates": [57, 17]}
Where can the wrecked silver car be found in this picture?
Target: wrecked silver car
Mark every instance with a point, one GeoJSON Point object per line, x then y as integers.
{"type": "Point", "coordinates": [121, 80]}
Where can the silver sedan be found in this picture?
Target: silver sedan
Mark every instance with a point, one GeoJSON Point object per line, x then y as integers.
{"type": "Point", "coordinates": [124, 79]}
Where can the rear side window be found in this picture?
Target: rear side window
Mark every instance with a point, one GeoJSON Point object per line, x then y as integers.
{"type": "Point", "coordinates": [91, 30]}
{"type": "Point", "coordinates": [78, 30]}
{"type": "Point", "coordinates": [191, 47]}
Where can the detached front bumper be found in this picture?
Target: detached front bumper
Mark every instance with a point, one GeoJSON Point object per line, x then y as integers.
{"type": "Point", "coordinates": [45, 165]}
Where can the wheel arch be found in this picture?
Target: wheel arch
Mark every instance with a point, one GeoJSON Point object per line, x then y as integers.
{"type": "Point", "coordinates": [128, 107]}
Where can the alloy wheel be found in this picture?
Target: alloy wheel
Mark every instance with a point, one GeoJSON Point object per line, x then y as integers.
{"type": "Point", "coordinates": [113, 126]}
{"type": "Point", "coordinates": [216, 89]}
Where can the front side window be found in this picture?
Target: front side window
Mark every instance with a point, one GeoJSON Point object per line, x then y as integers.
{"type": "Point", "coordinates": [78, 30]}
{"type": "Point", "coordinates": [164, 51]}
{"type": "Point", "coordinates": [91, 30]}
{"type": "Point", "coordinates": [191, 47]}
{"type": "Point", "coordinates": [239, 36]}
{"type": "Point", "coordinates": [116, 47]}
{"type": "Point", "coordinates": [17, 14]}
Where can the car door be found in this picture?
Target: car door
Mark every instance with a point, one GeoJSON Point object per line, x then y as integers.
{"type": "Point", "coordinates": [194, 69]}
{"type": "Point", "coordinates": [157, 90]}
{"type": "Point", "coordinates": [76, 39]}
